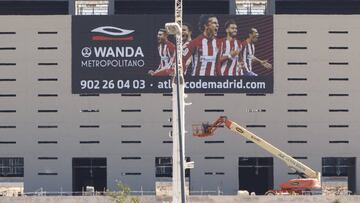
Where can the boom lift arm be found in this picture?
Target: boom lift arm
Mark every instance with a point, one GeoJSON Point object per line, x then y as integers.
{"type": "Point", "coordinates": [300, 168]}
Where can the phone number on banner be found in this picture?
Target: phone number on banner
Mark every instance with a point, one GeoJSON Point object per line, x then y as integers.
{"type": "Point", "coordinates": [112, 84]}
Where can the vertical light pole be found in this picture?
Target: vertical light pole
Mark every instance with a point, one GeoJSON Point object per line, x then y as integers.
{"type": "Point", "coordinates": [178, 107]}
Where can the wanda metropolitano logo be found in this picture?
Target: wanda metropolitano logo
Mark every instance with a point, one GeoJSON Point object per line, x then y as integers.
{"type": "Point", "coordinates": [114, 34]}
{"type": "Point", "coordinates": [107, 55]}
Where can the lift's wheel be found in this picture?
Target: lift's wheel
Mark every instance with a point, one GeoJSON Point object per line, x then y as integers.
{"type": "Point", "coordinates": [307, 192]}
{"type": "Point", "coordinates": [270, 193]}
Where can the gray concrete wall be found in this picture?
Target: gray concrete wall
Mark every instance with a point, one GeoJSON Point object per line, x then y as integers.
{"type": "Point", "coordinates": [237, 107]}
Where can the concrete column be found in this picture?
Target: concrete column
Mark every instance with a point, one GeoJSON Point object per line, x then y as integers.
{"type": "Point", "coordinates": [111, 8]}
{"type": "Point", "coordinates": [270, 7]}
{"type": "Point", "coordinates": [232, 7]}
{"type": "Point", "coordinates": [71, 7]}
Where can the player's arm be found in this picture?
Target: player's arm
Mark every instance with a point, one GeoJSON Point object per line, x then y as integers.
{"type": "Point", "coordinates": [172, 54]}
{"type": "Point", "coordinates": [240, 62]}
{"type": "Point", "coordinates": [152, 72]}
{"type": "Point", "coordinates": [219, 59]}
{"type": "Point", "coordinates": [187, 63]}
{"type": "Point", "coordinates": [188, 51]}
{"type": "Point", "coordinates": [222, 55]}
{"type": "Point", "coordinates": [264, 63]}
{"type": "Point", "coordinates": [244, 61]}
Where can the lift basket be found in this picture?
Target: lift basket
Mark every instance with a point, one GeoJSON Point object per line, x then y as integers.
{"type": "Point", "coordinates": [201, 130]}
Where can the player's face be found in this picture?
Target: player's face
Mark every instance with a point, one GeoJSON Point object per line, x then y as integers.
{"type": "Point", "coordinates": [232, 30]}
{"type": "Point", "coordinates": [185, 33]}
{"type": "Point", "coordinates": [255, 36]}
{"type": "Point", "coordinates": [213, 26]}
{"type": "Point", "coordinates": [161, 37]}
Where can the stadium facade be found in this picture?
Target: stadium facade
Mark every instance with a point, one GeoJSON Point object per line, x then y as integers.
{"type": "Point", "coordinates": [59, 141]}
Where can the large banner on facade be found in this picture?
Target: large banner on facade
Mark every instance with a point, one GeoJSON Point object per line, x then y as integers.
{"type": "Point", "coordinates": [135, 54]}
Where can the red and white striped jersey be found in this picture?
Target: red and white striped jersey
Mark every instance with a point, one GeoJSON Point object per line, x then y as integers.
{"type": "Point", "coordinates": [205, 52]}
{"type": "Point", "coordinates": [167, 55]}
{"type": "Point", "coordinates": [229, 67]}
{"type": "Point", "coordinates": [248, 53]}
{"type": "Point", "coordinates": [187, 64]}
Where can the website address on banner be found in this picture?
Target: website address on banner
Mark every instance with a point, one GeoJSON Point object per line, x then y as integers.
{"type": "Point", "coordinates": [227, 84]}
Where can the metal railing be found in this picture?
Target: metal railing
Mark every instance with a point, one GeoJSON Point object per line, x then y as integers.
{"type": "Point", "coordinates": [86, 7]}
{"type": "Point", "coordinates": [141, 192]}
{"type": "Point", "coordinates": [250, 7]}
